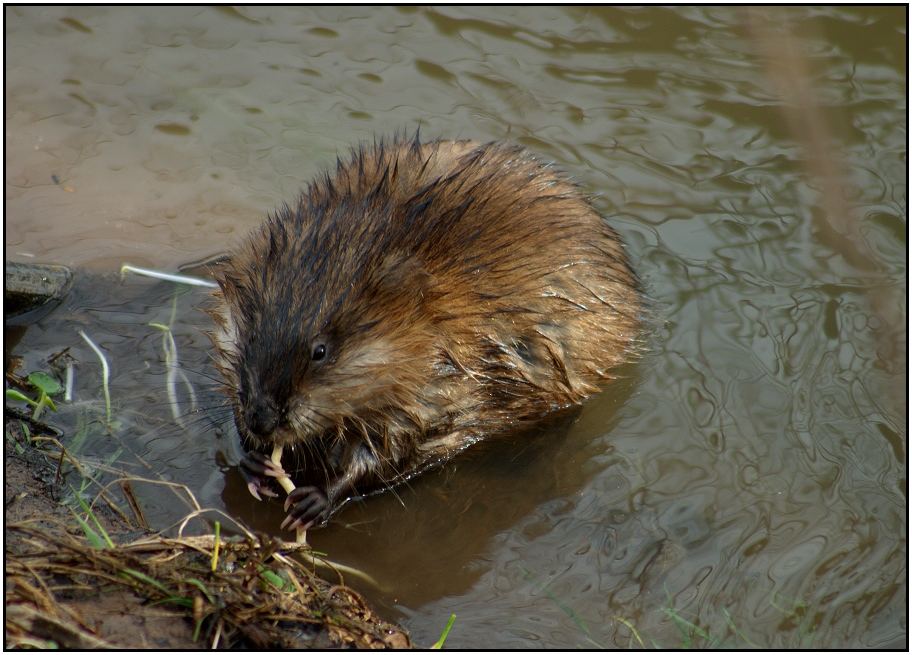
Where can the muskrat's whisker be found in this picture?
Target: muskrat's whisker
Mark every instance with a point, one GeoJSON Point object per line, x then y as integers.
{"type": "Point", "coordinates": [206, 419]}
{"type": "Point", "coordinates": [388, 485]}
{"type": "Point", "coordinates": [205, 400]}
{"type": "Point", "coordinates": [217, 381]}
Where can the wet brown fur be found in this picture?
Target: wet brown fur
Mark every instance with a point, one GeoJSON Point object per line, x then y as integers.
{"type": "Point", "coordinates": [462, 290]}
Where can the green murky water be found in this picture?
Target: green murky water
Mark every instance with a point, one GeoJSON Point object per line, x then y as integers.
{"type": "Point", "coordinates": [744, 486]}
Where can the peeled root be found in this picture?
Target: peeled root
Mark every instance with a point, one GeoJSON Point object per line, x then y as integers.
{"type": "Point", "coordinates": [289, 486]}
{"type": "Point", "coordinates": [301, 538]}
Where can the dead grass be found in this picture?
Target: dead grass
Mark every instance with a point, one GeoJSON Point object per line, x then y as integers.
{"type": "Point", "coordinates": [67, 590]}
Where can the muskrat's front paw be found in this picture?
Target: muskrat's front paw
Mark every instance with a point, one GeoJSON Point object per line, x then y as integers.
{"type": "Point", "coordinates": [258, 470]}
{"type": "Point", "coordinates": [306, 507]}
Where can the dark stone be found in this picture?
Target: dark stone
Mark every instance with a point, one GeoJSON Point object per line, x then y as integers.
{"type": "Point", "coordinates": [29, 286]}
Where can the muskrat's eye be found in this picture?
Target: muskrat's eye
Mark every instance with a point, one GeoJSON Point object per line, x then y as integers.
{"type": "Point", "coordinates": [319, 352]}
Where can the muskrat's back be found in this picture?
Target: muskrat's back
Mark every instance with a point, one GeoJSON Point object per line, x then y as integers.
{"type": "Point", "coordinates": [419, 298]}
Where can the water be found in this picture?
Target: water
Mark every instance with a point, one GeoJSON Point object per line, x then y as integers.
{"type": "Point", "coordinates": [748, 475]}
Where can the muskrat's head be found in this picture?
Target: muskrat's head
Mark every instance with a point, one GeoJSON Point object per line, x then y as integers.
{"type": "Point", "coordinates": [323, 332]}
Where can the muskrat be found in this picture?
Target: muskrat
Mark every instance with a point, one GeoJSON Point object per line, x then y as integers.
{"type": "Point", "coordinates": [422, 297]}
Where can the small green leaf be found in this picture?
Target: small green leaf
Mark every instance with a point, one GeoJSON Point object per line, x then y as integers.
{"type": "Point", "coordinates": [15, 394]}
{"type": "Point", "coordinates": [45, 382]}
{"type": "Point", "coordinates": [196, 628]}
{"type": "Point", "coordinates": [275, 580]}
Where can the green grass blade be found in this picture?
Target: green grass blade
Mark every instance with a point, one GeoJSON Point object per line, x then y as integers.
{"type": "Point", "coordinates": [176, 600]}
{"type": "Point", "coordinates": [632, 630]}
{"type": "Point", "coordinates": [687, 629]}
{"type": "Point", "coordinates": [91, 514]}
{"type": "Point", "coordinates": [152, 582]}
{"type": "Point", "coordinates": [566, 609]}
{"type": "Point", "coordinates": [94, 539]}
{"type": "Point", "coordinates": [446, 631]}
{"type": "Point", "coordinates": [215, 550]}
{"type": "Point", "coordinates": [735, 629]}
{"type": "Point", "coordinates": [202, 587]}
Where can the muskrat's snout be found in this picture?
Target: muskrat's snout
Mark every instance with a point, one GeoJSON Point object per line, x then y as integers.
{"type": "Point", "coordinates": [261, 417]}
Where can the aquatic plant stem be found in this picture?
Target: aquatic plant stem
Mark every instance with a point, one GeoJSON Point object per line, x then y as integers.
{"type": "Point", "coordinates": [168, 277]}
{"type": "Point", "coordinates": [105, 374]}
{"type": "Point", "coordinates": [68, 395]}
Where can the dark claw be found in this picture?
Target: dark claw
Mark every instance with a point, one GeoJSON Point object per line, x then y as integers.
{"type": "Point", "coordinates": [308, 507]}
{"type": "Point", "coordinates": [258, 470]}
{"type": "Point", "coordinates": [261, 465]}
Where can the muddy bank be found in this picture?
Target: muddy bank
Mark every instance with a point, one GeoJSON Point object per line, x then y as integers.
{"type": "Point", "coordinates": [84, 570]}
{"type": "Point", "coordinates": [81, 573]}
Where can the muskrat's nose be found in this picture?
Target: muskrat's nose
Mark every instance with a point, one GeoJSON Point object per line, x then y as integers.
{"type": "Point", "coordinates": [261, 418]}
